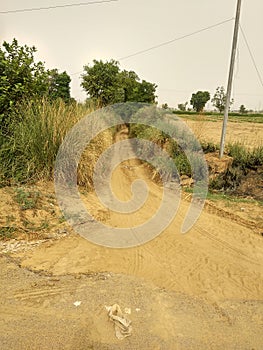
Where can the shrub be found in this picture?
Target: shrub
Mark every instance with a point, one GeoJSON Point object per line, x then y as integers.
{"type": "Point", "coordinates": [243, 161]}
{"type": "Point", "coordinates": [209, 147]}
{"type": "Point", "coordinates": [245, 158]}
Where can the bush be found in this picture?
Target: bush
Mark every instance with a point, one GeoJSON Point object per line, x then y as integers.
{"type": "Point", "coordinates": [164, 141]}
{"type": "Point", "coordinates": [243, 161]}
{"type": "Point", "coordinates": [229, 180]}
{"type": "Point", "coordinates": [245, 158]}
{"type": "Point", "coordinates": [209, 147]}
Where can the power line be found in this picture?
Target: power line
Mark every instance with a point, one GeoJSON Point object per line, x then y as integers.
{"type": "Point", "coordinates": [252, 56]}
{"type": "Point", "coordinates": [175, 39]}
{"type": "Point", "coordinates": [170, 41]}
{"type": "Point", "coordinates": [57, 6]}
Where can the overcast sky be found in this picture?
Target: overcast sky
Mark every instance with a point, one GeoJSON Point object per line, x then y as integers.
{"type": "Point", "coordinates": [68, 38]}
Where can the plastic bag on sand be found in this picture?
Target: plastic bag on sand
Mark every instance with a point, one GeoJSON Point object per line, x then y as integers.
{"type": "Point", "coordinates": [122, 324]}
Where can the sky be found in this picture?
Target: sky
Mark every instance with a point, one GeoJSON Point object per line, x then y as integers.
{"type": "Point", "coordinates": [69, 38]}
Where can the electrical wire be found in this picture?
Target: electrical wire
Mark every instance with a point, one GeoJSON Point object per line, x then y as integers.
{"type": "Point", "coordinates": [57, 6]}
{"type": "Point", "coordinates": [175, 39]}
{"type": "Point", "coordinates": [252, 56]}
{"type": "Point", "coordinates": [171, 41]}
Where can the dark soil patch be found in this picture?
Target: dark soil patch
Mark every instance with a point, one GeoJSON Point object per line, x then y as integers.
{"type": "Point", "coordinates": [252, 184]}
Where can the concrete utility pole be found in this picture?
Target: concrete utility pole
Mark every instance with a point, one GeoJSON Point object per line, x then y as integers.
{"type": "Point", "coordinates": [230, 78]}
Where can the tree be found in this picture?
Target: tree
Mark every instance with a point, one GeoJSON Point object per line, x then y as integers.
{"type": "Point", "coordinates": [107, 84]}
{"type": "Point", "coordinates": [20, 77]}
{"type": "Point", "coordinates": [146, 92]}
{"type": "Point", "coordinates": [101, 81]}
{"type": "Point", "coordinates": [59, 85]}
{"type": "Point", "coordinates": [242, 109]}
{"type": "Point", "coordinates": [219, 99]}
{"type": "Point", "coordinates": [182, 106]}
{"type": "Point", "coordinates": [165, 106]}
{"type": "Point", "coordinates": [129, 81]}
{"type": "Point", "coordinates": [199, 100]}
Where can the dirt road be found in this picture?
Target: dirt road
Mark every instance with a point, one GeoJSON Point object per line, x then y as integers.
{"type": "Point", "coordinates": [202, 290]}
{"type": "Point", "coordinates": [38, 312]}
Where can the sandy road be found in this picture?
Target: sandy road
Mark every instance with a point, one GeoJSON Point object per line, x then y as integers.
{"type": "Point", "coordinates": [217, 259]}
{"type": "Point", "coordinates": [202, 290]}
{"type": "Point", "coordinates": [38, 313]}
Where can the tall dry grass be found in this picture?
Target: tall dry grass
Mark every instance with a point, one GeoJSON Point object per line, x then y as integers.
{"type": "Point", "coordinates": [29, 151]}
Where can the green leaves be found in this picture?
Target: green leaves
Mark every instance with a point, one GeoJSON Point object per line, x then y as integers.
{"type": "Point", "coordinates": [101, 81]}
{"type": "Point", "coordinates": [17, 72]}
{"type": "Point", "coordinates": [107, 84]}
{"type": "Point", "coordinates": [219, 99]}
{"type": "Point", "coordinates": [199, 100]}
{"type": "Point", "coordinates": [59, 85]}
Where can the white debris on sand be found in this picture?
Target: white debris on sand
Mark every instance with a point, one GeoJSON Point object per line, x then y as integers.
{"type": "Point", "coordinates": [77, 303]}
{"type": "Point", "coordinates": [122, 324]}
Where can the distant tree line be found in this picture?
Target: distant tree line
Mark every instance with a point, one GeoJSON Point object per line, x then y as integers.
{"type": "Point", "coordinates": [200, 98]}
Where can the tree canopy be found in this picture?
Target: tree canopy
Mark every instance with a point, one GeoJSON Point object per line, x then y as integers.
{"type": "Point", "coordinates": [242, 109]}
{"type": "Point", "coordinates": [59, 85]}
{"type": "Point", "coordinates": [107, 84]}
{"type": "Point", "coordinates": [182, 106]}
{"type": "Point", "coordinates": [199, 100]}
{"type": "Point", "coordinates": [219, 99]}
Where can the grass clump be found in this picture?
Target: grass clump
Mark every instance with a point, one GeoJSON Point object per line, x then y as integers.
{"type": "Point", "coordinates": [209, 147]}
{"type": "Point", "coordinates": [27, 199]}
{"type": "Point", "coordinates": [244, 161]}
{"type": "Point", "coordinates": [28, 151]}
{"type": "Point", "coordinates": [183, 149]}
{"type": "Point", "coordinates": [7, 232]}
{"type": "Point", "coordinates": [244, 158]}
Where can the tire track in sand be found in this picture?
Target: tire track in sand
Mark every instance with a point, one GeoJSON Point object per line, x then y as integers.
{"type": "Point", "coordinates": [217, 259]}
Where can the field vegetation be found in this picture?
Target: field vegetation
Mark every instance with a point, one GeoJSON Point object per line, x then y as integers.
{"type": "Point", "coordinates": [37, 111]}
{"type": "Point", "coordinates": [216, 116]}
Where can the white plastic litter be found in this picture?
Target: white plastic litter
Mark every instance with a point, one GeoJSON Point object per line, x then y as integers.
{"type": "Point", "coordinates": [122, 324]}
{"type": "Point", "coordinates": [77, 303]}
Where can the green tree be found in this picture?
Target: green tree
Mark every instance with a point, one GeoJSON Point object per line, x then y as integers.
{"type": "Point", "coordinates": [165, 106]}
{"type": "Point", "coordinates": [242, 109]}
{"type": "Point", "coordinates": [219, 99]}
{"type": "Point", "coordinates": [199, 100]}
{"type": "Point", "coordinates": [107, 84]}
{"type": "Point", "coordinates": [146, 92]}
{"type": "Point", "coordinates": [100, 81]}
{"type": "Point", "coordinates": [128, 83]}
{"type": "Point", "coordinates": [182, 106]}
{"type": "Point", "coordinates": [59, 85]}
{"type": "Point", "coordinates": [20, 77]}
